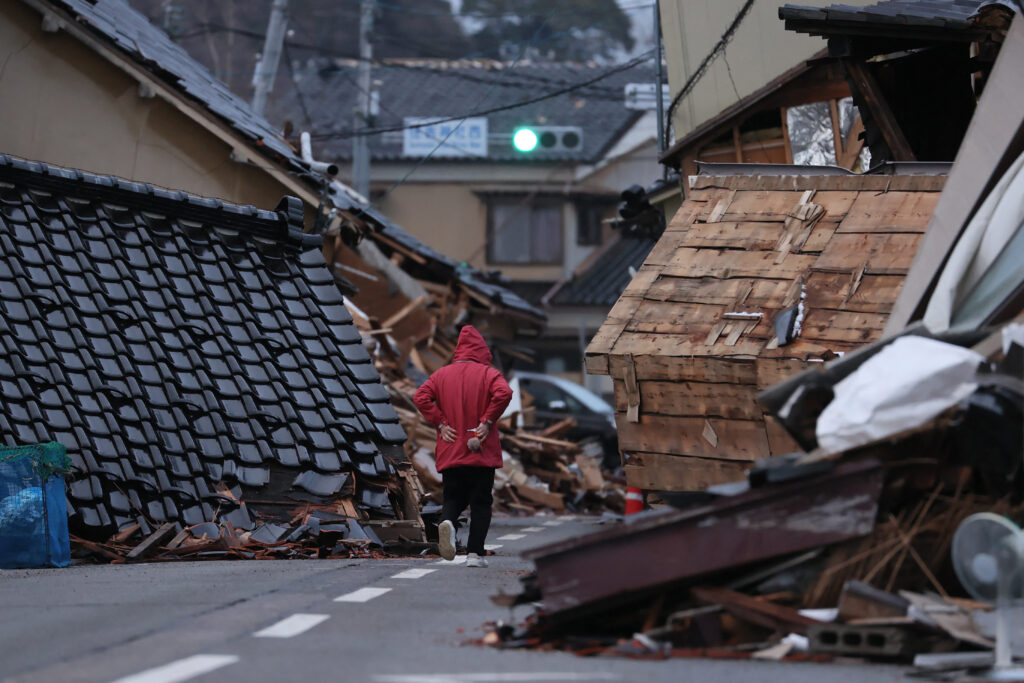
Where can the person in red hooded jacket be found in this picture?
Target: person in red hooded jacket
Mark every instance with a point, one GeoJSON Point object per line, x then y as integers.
{"type": "Point", "coordinates": [463, 400]}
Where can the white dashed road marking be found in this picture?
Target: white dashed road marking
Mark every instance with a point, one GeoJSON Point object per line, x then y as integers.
{"type": "Point", "coordinates": [181, 670]}
{"type": "Point", "coordinates": [533, 528]}
{"type": "Point", "coordinates": [553, 522]}
{"type": "Point", "coordinates": [511, 537]}
{"type": "Point", "coordinates": [362, 595]}
{"type": "Point", "coordinates": [459, 559]}
{"type": "Point", "coordinates": [413, 573]}
{"type": "Point", "coordinates": [492, 547]}
{"type": "Point", "coordinates": [509, 677]}
{"type": "Point", "coordinates": [292, 626]}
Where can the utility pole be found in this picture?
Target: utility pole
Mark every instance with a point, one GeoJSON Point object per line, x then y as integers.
{"type": "Point", "coordinates": [360, 143]}
{"type": "Point", "coordinates": [266, 68]}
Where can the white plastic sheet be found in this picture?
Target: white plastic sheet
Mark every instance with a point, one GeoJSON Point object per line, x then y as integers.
{"type": "Point", "coordinates": [903, 386]}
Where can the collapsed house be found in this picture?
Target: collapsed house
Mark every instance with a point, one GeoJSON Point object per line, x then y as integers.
{"type": "Point", "coordinates": [156, 115]}
{"type": "Point", "coordinates": [195, 358]}
{"type": "Point", "coordinates": [848, 547]}
{"type": "Point", "coordinates": [756, 277]}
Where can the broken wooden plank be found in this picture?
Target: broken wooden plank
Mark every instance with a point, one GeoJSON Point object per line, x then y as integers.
{"type": "Point", "coordinates": [688, 262]}
{"type": "Point", "coordinates": [665, 472]}
{"type": "Point", "coordinates": [403, 312]}
{"type": "Point", "coordinates": [736, 439]}
{"type": "Point", "coordinates": [761, 612]}
{"type": "Point", "coordinates": [886, 253]}
{"type": "Point", "coordinates": [890, 212]}
{"type": "Point", "coordinates": [669, 369]}
{"type": "Point", "coordinates": [152, 541]}
{"type": "Point", "coordinates": [820, 183]}
{"type": "Point", "coordinates": [858, 600]}
{"type": "Point", "coordinates": [696, 399]}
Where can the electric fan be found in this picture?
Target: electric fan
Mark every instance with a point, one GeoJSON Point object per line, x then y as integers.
{"type": "Point", "coordinates": [988, 557]}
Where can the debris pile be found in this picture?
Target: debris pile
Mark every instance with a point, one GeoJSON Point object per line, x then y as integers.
{"type": "Point", "coordinates": [816, 554]}
{"type": "Point", "coordinates": [309, 535]}
{"type": "Point", "coordinates": [542, 470]}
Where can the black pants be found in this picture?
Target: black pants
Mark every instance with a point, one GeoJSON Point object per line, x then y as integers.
{"type": "Point", "coordinates": [469, 486]}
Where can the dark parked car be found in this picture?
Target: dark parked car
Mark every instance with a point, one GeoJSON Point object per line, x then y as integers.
{"type": "Point", "coordinates": [555, 399]}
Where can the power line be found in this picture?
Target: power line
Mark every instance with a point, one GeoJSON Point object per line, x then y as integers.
{"type": "Point", "coordinates": [704, 64]}
{"type": "Point", "coordinates": [211, 27]}
{"type": "Point", "coordinates": [625, 66]}
{"type": "Point", "coordinates": [459, 124]}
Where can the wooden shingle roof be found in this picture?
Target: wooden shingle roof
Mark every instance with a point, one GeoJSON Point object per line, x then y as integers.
{"type": "Point", "coordinates": [693, 336]}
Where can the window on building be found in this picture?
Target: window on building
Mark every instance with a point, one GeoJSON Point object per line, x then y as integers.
{"type": "Point", "coordinates": [524, 231]}
{"type": "Point", "coordinates": [588, 224]}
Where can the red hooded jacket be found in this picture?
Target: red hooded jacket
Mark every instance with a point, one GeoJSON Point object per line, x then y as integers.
{"type": "Point", "coordinates": [463, 395]}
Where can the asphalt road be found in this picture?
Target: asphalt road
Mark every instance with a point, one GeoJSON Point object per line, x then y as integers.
{"type": "Point", "coordinates": [282, 621]}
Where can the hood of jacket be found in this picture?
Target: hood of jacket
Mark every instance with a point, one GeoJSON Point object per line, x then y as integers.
{"type": "Point", "coordinates": [471, 346]}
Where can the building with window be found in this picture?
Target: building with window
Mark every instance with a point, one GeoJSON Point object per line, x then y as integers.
{"type": "Point", "coordinates": [534, 206]}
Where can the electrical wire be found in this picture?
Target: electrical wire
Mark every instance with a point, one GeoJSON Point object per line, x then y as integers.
{"type": "Point", "coordinates": [462, 120]}
{"type": "Point", "coordinates": [703, 66]}
{"type": "Point", "coordinates": [625, 66]}
{"type": "Point", "coordinates": [210, 27]}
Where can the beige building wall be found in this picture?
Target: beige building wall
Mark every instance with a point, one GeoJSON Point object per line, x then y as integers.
{"type": "Point", "coordinates": [62, 103]}
{"type": "Point", "coordinates": [760, 50]}
{"type": "Point", "coordinates": [452, 218]}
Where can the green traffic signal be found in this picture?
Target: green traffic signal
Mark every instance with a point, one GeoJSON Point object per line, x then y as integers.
{"type": "Point", "coordinates": [525, 140]}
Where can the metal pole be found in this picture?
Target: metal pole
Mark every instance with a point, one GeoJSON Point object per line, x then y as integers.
{"type": "Point", "coordinates": [660, 79]}
{"type": "Point", "coordinates": [266, 69]}
{"type": "Point", "coordinates": [360, 143]}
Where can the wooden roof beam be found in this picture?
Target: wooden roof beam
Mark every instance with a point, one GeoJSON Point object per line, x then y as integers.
{"type": "Point", "coordinates": [881, 112]}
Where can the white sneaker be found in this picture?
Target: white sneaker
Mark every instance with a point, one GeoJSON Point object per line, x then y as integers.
{"type": "Point", "coordinates": [446, 539]}
{"type": "Point", "coordinates": [474, 560]}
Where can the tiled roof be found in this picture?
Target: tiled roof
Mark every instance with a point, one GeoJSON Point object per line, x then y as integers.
{"type": "Point", "coordinates": [174, 342]}
{"type": "Point", "coordinates": [951, 15]}
{"type": "Point", "coordinates": [606, 278]}
{"type": "Point", "coordinates": [425, 90]}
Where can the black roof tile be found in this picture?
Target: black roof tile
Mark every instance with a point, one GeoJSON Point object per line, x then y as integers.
{"type": "Point", "coordinates": [167, 384]}
{"type": "Point", "coordinates": [605, 279]}
{"type": "Point", "coordinates": [945, 15]}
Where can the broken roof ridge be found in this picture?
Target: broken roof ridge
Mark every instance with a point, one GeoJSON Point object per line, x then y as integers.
{"type": "Point", "coordinates": [283, 224]}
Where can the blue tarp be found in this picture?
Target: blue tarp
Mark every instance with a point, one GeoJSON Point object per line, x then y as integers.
{"type": "Point", "coordinates": [33, 509]}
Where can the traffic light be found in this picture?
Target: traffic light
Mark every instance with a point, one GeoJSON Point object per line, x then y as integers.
{"type": "Point", "coordinates": [535, 140]}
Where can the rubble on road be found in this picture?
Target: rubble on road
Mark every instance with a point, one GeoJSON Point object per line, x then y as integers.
{"type": "Point", "coordinates": [541, 471]}
{"type": "Point", "coordinates": [814, 554]}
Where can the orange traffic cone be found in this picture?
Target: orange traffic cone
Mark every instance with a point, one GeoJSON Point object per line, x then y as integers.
{"type": "Point", "coordinates": [634, 501]}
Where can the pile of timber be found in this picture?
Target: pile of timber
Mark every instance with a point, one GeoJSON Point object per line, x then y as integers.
{"type": "Point", "coordinates": [813, 555]}
{"type": "Point", "coordinates": [541, 472]}
{"type": "Point", "coordinates": [314, 532]}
